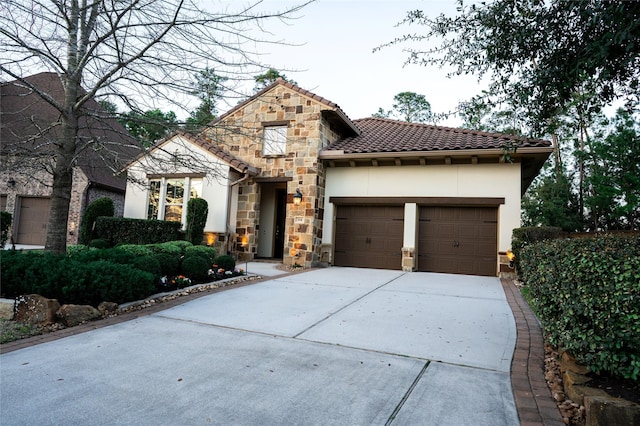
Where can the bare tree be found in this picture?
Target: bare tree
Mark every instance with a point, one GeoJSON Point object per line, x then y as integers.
{"type": "Point", "coordinates": [140, 52]}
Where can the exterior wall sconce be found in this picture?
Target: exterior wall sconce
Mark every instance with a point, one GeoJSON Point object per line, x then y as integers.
{"type": "Point", "coordinates": [511, 258]}
{"type": "Point", "coordinates": [11, 182]}
{"type": "Point", "coordinates": [297, 197]}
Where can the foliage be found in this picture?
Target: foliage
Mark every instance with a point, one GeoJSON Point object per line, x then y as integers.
{"type": "Point", "coordinates": [209, 88]}
{"type": "Point", "coordinates": [195, 267]}
{"type": "Point", "coordinates": [149, 126]}
{"type": "Point", "coordinates": [613, 176]}
{"type": "Point", "coordinates": [99, 207]}
{"type": "Point", "coordinates": [149, 263]}
{"type": "Point", "coordinates": [74, 249]}
{"type": "Point", "coordinates": [171, 247]}
{"type": "Point", "coordinates": [136, 250]}
{"type": "Point", "coordinates": [550, 201]}
{"type": "Point", "coordinates": [538, 53]}
{"type": "Point", "coordinates": [197, 211]}
{"type": "Point", "coordinates": [169, 263]}
{"type": "Point", "coordinates": [5, 224]}
{"type": "Point", "coordinates": [525, 236]}
{"type": "Point", "coordinates": [269, 77]}
{"type": "Point", "coordinates": [207, 253]}
{"type": "Point", "coordinates": [586, 293]}
{"type": "Point", "coordinates": [410, 107]}
{"type": "Point", "coordinates": [136, 231]}
{"type": "Point", "coordinates": [226, 262]}
{"type": "Point", "coordinates": [100, 243]}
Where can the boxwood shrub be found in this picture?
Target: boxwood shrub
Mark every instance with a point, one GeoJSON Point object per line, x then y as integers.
{"type": "Point", "coordinates": [587, 294]}
{"type": "Point", "coordinates": [226, 262]}
{"type": "Point", "coordinates": [121, 230]}
{"type": "Point", "coordinates": [207, 253]}
{"type": "Point", "coordinates": [195, 267]}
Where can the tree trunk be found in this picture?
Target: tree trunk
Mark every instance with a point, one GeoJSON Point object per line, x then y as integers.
{"type": "Point", "coordinates": [63, 171]}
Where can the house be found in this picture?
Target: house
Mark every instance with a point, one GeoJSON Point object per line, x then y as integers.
{"type": "Point", "coordinates": [293, 177]}
{"type": "Point", "coordinates": [29, 127]}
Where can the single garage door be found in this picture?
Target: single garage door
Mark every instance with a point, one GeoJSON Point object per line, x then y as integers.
{"type": "Point", "coordinates": [33, 220]}
{"type": "Point", "coordinates": [369, 236]}
{"type": "Point", "coordinates": [458, 240]}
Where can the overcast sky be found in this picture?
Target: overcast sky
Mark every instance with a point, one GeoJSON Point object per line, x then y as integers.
{"type": "Point", "coordinates": [337, 62]}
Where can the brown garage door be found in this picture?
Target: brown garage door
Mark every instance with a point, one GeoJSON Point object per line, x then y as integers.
{"type": "Point", "coordinates": [458, 240]}
{"type": "Point", "coordinates": [33, 220]}
{"type": "Point", "coordinates": [369, 236]}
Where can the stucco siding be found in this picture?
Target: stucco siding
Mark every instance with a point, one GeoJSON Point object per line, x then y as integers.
{"type": "Point", "coordinates": [161, 162]}
{"type": "Point", "coordinates": [473, 180]}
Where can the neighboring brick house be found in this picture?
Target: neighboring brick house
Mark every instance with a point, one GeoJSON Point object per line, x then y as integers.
{"type": "Point", "coordinates": [28, 129]}
{"type": "Point", "coordinates": [297, 179]}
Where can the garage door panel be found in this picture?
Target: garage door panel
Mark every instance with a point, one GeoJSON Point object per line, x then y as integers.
{"type": "Point", "coordinates": [33, 220]}
{"type": "Point", "coordinates": [369, 236]}
{"type": "Point", "coordinates": [459, 240]}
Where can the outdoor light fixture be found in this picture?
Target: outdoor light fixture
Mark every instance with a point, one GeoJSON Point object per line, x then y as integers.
{"type": "Point", "coordinates": [297, 197]}
{"type": "Point", "coordinates": [511, 258]}
{"type": "Point", "coordinates": [11, 183]}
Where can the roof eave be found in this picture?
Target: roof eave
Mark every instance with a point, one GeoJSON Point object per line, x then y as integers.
{"type": "Point", "coordinates": [341, 155]}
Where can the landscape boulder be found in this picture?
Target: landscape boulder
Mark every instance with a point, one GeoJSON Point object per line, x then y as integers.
{"type": "Point", "coordinates": [107, 307]}
{"type": "Point", "coordinates": [35, 309]}
{"type": "Point", "coordinates": [6, 308]}
{"type": "Point", "coordinates": [72, 315]}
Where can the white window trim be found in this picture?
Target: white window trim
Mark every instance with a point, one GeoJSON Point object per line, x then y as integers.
{"type": "Point", "coordinates": [163, 198]}
{"type": "Point", "coordinates": [280, 142]}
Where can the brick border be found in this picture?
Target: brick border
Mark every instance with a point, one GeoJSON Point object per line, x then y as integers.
{"type": "Point", "coordinates": [533, 398]}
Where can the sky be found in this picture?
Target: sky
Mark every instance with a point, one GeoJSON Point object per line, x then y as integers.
{"type": "Point", "coordinates": [333, 55]}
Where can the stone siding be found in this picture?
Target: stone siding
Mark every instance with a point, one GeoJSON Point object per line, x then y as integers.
{"type": "Point", "coordinates": [241, 132]}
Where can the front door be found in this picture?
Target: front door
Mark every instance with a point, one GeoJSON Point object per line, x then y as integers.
{"type": "Point", "coordinates": [281, 215]}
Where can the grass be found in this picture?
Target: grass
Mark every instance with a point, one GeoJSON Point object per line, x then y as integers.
{"type": "Point", "coordinates": [11, 330]}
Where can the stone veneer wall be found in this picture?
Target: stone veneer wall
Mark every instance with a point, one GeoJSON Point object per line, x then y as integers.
{"type": "Point", "coordinates": [241, 135]}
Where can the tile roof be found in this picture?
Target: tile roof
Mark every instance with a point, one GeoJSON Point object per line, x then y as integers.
{"type": "Point", "coordinates": [381, 135]}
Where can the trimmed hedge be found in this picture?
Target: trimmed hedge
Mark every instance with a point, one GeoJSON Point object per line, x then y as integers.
{"type": "Point", "coordinates": [120, 230]}
{"type": "Point", "coordinates": [207, 253]}
{"type": "Point", "coordinates": [99, 207]}
{"type": "Point", "coordinates": [84, 278]}
{"type": "Point", "coordinates": [197, 211]}
{"type": "Point", "coordinates": [587, 294]}
{"type": "Point", "coordinates": [226, 262]}
{"type": "Point", "coordinates": [522, 237]}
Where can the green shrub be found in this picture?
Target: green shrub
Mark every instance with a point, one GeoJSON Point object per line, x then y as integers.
{"type": "Point", "coordinates": [121, 230]}
{"type": "Point", "coordinates": [226, 262]}
{"type": "Point", "coordinates": [522, 237]}
{"type": "Point", "coordinates": [169, 263]}
{"type": "Point", "coordinates": [136, 250]}
{"type": "Point", "coordinates": [207, 253]}
{"type": "Point", "coordinates": [114, 255]}
{"type": "Point", "coordinates": [76, 248]}
{"type": "Point", "coordinates": [586, 293]}
{"type": "Point", "coordinates": [98, 281]}
{"type": "Point", "coordinates": [170, 247]}
{"type": "Point", "coordinates": [149, 263]}
{"type": "Point", "coordinates": [99, 207]}
{"type": "Point", "coordinates": [195, 267]}
{"type": "Point", "coordinates": [197, 211]}
{"type": "Point", "coordinates": [5, 224]}
{"type": "Point", "coordinates": [100, 243]}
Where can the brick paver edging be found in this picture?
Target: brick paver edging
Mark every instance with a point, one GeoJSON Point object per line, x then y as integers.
{"type": "Point", "coordinates": [533, 398]}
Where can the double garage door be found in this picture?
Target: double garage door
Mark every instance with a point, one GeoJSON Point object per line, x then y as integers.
{"type": "Point", "coordinates": [457, 240]}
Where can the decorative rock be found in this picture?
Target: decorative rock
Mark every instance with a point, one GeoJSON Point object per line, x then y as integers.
{"type": "Point", "coordinates": [568, 362]}
{"type": "Point", "coordinates": [571, 378]}
{"type": "Point", "coordinates": [578, 393]}
{"type": "Point", "coordinates": [606, 410]}
{"type": "Point", "coordinates": [6, 308]}
{"type": "Point", "coordinates": [107, 307]}
{"type": "Point", "coordinates": [35, 309]}
{"type": "Point", "coordinates": [71, 315]}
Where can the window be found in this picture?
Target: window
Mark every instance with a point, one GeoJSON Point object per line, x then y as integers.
{"type": "Point", "coordinates": [168, 200]}
{"type": "Point", "coordinates": [275, 140]}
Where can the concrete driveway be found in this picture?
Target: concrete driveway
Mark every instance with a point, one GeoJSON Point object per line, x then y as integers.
{"type": "Point", "coordinates": [339, 346]}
